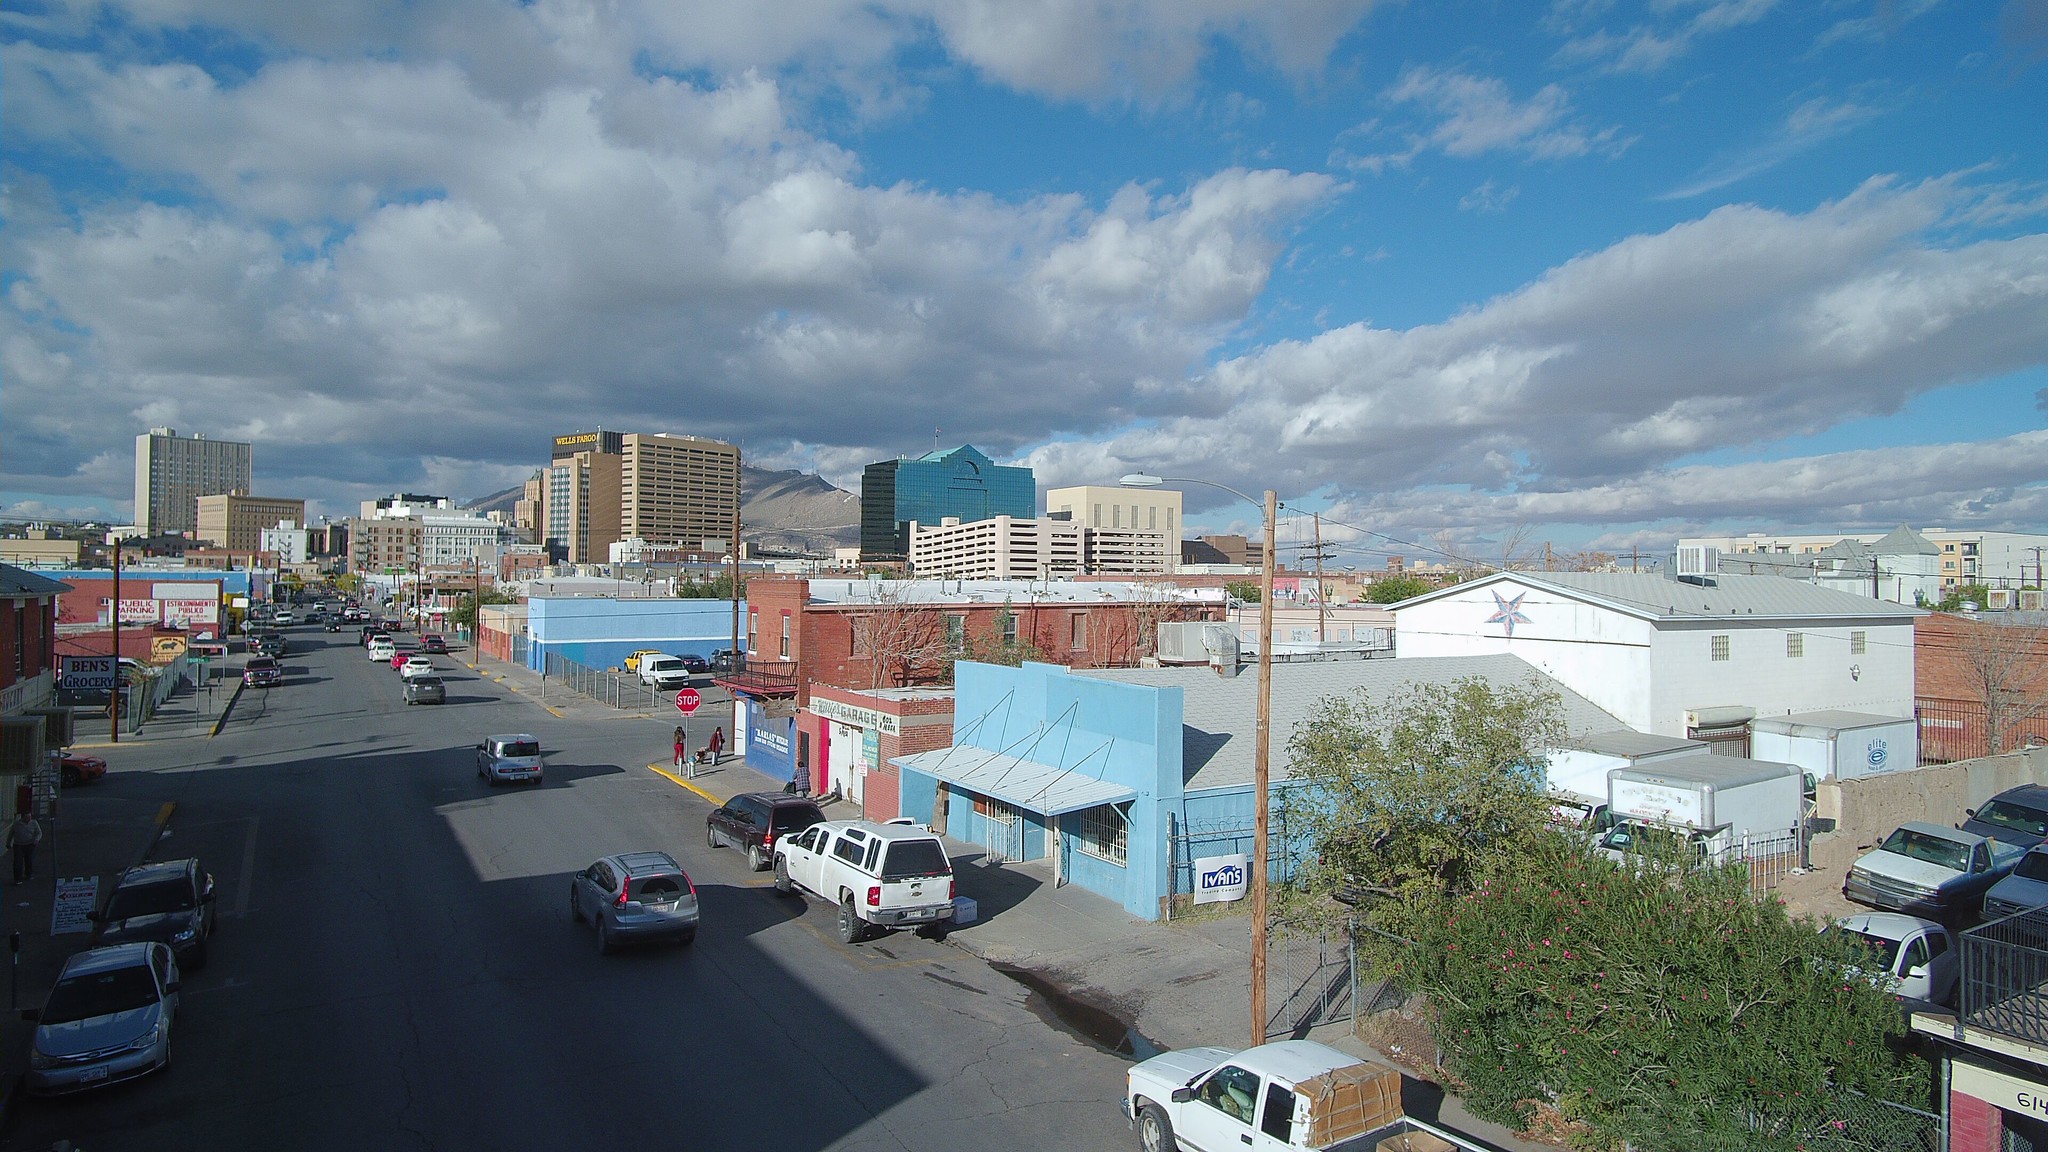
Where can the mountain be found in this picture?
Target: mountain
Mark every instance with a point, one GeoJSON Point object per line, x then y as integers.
{"type": "Point", "coordinates": [791, 510]}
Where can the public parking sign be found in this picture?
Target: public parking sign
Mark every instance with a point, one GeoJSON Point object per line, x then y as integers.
{"type": "Point", "coordinates": [88, 672]}
{"type": "Point", "coordinates": [687, 700]}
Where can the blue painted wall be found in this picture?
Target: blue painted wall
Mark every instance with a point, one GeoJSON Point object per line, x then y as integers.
{"type": "Point", "coordinates": [601, 632]}
{"type": "Point", "coordinates": [771, 743]}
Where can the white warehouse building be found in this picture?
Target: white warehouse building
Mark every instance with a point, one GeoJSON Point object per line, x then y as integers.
{"type": "Point", "coordinates": [1695, 658]}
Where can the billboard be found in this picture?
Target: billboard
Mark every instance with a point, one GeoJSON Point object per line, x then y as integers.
{"type": "Point", "coordinates": [187, 613]}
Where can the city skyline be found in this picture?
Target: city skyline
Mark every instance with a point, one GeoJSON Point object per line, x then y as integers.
{"type": "Point", "coordinates": [1603, 275]}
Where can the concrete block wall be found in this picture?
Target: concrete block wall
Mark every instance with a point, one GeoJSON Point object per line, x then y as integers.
{"type": "Point", "coordinates": [1865, 811]}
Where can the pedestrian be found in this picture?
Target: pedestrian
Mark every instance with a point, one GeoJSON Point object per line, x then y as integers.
{"type": "Point", "coordinates": [680, 741]}
{"type": "Point", "coordinates": [23, 835]}
{"type": "Point", "coordinates": [717, 744]}
{"type": "Point", "coordinates": [802, 784]}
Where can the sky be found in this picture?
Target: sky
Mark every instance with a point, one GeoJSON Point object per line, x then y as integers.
{"type": "Point", "coordinates": [1455, 276]}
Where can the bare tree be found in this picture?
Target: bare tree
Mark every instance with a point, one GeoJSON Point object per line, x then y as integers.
{"type": "Point", "coordinates": [903, 641]}
{"type": "Point", "coordinates": [2005, 663]}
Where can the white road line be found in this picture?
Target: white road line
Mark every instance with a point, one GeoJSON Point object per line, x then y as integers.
{"type": "Point", "coordinates": [241, 907]}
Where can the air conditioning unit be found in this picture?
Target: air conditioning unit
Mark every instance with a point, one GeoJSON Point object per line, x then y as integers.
{"type": "Point", "coordinates": [2032, 599]}
{"type": "Point", "coordinates": [58, 727]}
{"type": "Point", "coordinates": [1220, 640]}
{"type": "Point", "coordinates": [1181, 642]}
{"type": "Point", "coordinates": [1696, 560]}
{"type": "Point", "coordinates": [21, 745]}
{"type": "Point", "coordinates": [1998, 599]}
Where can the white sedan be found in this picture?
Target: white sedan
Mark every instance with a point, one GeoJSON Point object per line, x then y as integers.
{"type": "Point", "coordinates": [416, 666]}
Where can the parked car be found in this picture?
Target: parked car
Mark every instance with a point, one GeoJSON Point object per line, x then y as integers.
{"type": "Point", "coordinates": [1293, 1094]}
{"type": "Point", "coordinates": [1915, 958]}
{"type": "Point", "coordinates": [381, 649]}
{"type": "Point", "coordinates": [2015, 816]}
{"type": "Point", "coordinates": [262, 672]}
{"type": "Point", "coordinates": [426, 690]}
{"type": "Point", "coordinates": [635, 896]}
{"type": "Point", "coordinates": [724, 660]}
{"type": "Point", "coordinates": [665, 673]}
{"type": "Point", "coordinates": [1928, 870]}
{"type": "Point", "coordinates": [399, 658]}
{"type": "Point", "coordinates": [2024, 888]}
{"type": "Point", "coordinates": [434, 642]}
{"type": "Point", "coordinates": [285, 618]}
{"type": "Point", "coordinates": [881, 876]}
{"type": "Point", "coordinates": [108, 1019]}
{"type": "Point", "coordinates": [268, 644]}
{"type": "Point", "coordinates": [695, 665]}
{"type": "Point", "coordinates": [170, 902]}
{"type": "Point", "coordinates": [77, 768]}
{"type": "Point", "coordinates": [754, 821]}
{"type": "Point", "coordinates": [416, 665]}
{"type": "Point", "coordinates": [632, 661]}
{"type": "Point", "coordinates": [510, 756]}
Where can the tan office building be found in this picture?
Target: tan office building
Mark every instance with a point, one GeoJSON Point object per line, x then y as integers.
{"type": "Point", "coordinates": [583, 506]}
{"type": "Point", "coordinates": [172, 472]}
{"type": "Point", "coordinates": [678, 489]}
{"type": "Point", "coordinates": [1143, 510]}
{"type": "Point", "coordinates": [385, 544]}
{"type": "Point", "coordinates": [236, 520]}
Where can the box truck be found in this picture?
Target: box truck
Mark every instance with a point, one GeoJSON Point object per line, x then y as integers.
{"type": "Point", "coordinates": [1576, 773]}
{"type": "Point", "coordinates": [1844, 745]}
{"type": "Point", "coordinates": [1716, 802]}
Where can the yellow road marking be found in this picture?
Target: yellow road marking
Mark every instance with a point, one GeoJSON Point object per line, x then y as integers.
{"type": "Point", "coordinates": [558, 714]}
{"type": "Point", "coordinates": [675, 779]}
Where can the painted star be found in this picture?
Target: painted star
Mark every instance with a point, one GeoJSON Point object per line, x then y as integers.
{"type": "Point", "coordinates": [1509, 614]}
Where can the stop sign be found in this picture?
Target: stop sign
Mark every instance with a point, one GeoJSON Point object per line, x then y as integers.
{"type": "Point", "coordinates": [687, 700]}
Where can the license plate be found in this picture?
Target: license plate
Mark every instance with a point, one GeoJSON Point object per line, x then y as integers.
{"type": "Point", "coordinates": [91, 1074]}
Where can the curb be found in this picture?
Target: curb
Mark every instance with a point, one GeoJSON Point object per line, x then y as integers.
{"type": "Point", "coordinates": [679, 781]}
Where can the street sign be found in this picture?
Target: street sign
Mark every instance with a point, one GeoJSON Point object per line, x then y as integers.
{"type": "Point", "coordinates": [75, 898]}
{"type": "Point", "coordinates": [86, 672]}
{"type": "Point", "coordinates": [687, 700]}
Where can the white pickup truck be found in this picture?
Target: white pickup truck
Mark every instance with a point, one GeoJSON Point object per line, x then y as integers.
{"type": "Point", "coordinates": [1294, 1094]}
{"type": "Point", "coordinates": [879, 875]}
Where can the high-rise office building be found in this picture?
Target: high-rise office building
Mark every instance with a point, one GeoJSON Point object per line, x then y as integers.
{"type": "Point", "coordinates": [582, 506]}
{"type": "Point", "coordinates": [1116, 510]}
{"type": "Point", "coordinates": [677, 489]}
{"type": "Point", "coordinates": [963, 484]}
{"type": "Point", "coordinates": [172, 472]}
{"type": "Point", "coordinates": [236, 520]}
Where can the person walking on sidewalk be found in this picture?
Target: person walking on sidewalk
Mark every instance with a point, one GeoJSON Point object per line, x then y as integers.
{"type": "Point", "coordinates": [717, 744]}
{"type": "Point", "coordinates": [23, 835]}
{"type": "Point", "coordinates": [681, 740]}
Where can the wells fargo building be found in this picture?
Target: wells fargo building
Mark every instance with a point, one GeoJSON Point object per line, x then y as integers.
{"type": "Point", "coordinates": [603, 487]}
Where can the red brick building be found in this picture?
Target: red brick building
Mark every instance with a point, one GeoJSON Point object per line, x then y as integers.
{"type": "Point", "coordinates": [855, 733]}
{"type": "Point", "coordinates": [28, 637]}
{"type": "Point", "coordinates": [1981, 684]}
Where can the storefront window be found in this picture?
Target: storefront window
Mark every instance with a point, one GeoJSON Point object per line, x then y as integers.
{"type": "Point", "coordinates": [1102, 834]}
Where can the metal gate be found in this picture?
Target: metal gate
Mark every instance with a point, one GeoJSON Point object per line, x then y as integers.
{"type": "Point", "coordinates": [1311, 977]}
{"type": "Point", "coordinates": [1189, 842]}
{"type": "Point", "coordinates": [1002, 829]}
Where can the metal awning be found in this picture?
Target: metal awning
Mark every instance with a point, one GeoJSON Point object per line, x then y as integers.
{"type": "Point", "coordinates": [1018, 782]}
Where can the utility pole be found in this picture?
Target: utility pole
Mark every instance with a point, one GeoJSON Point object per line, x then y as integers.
{"type": "Point", "coordinates": [1876, 586]}
{"type": "Point", "coordinates": [1321, 612]}
{"type": "Point", "coordinates": [1546, 555]}
{"type": "Point", "coordinates": [1634, 555]}
{"type": "Point", "coordinates": [736, 486]}
{"type": "Point", "coordinates": [114, 707]}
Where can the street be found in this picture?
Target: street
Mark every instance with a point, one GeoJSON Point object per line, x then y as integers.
{"type": "Point", "coordinates": [396, 967]}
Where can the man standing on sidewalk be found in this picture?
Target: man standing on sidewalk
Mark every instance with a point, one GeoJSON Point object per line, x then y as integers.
{"type": "Point", "coordinates": [23, 835]}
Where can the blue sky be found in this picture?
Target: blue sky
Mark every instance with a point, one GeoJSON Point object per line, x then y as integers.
{"type": "Point", "coordinates": [1591, 272]}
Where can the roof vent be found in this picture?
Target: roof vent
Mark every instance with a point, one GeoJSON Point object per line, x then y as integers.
{"type": "Point", "coordinates": [1696, 563]}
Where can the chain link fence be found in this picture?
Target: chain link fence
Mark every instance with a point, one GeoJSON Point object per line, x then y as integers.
{"type": "Point", "coordinates": [612, 689]}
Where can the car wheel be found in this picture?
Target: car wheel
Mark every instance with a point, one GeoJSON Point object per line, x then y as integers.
{"type": "Point", "coordinates": [783, 884]}
{"type": "Point", "coordinates": [604, 938]}
{"type": "Point", "coordinates": [710, 836]}
{"type": "Point", "coordinates": [1155, 1131]}
{"type": "Point", "coordinates": [755, 861]}
{"type": "Point", "coordinates": [850, 928]}
{"type": "Point", "coordinates": [575, 906]}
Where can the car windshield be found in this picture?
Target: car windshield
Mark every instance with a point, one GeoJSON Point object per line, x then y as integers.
{"type": "Point", "coordinates": [150, 899]}
{"type": "Point", "coordinates": [657, 889]}
{"type": "Point", "coordinates": [258, 663]}
{"type": "Point", "coordinates": [2032, 866]}
{"type": "Point", "coordinates": [2017, 817]}
{"type": "Point", "coordinates": [521, 748]}
{"type": "Point", "coordinates": [100, 994]}
{"type": "Point", "coordinates": [1932, 849]}
{"type": "Point", "coordinates": [908, 858]}
{"type": "Point", "coordinates": [794, 817]}
{"type": "Point", "coordinates": [1884, 950]}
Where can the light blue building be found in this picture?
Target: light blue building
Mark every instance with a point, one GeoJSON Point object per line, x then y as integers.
{"type": "Point", "coordinates": [1122, 779]}
{"type": "Point", "coordinates": [600, 631]}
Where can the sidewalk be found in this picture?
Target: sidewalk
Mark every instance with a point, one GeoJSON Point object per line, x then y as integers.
{"type": "Point", "coordinates": [1176, 985]}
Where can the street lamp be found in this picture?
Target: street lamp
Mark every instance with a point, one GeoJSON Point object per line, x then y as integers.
{"type": "Point", "coordinates": [1261, 736]}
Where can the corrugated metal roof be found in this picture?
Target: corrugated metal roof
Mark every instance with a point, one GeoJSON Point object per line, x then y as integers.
{"type": "Point", "coordinates": [1631, 743]}
{"type": "Point", "coordinates": [1825, 722]}
{"type": "Point", "coordinates": [1219, 713]}
{"type": "Point", "coordinates": [1659, 597]}
{"type": "Point", "coordinates": [1020, 783]}
{"type": "Point", "coordinates": [1022, 592]}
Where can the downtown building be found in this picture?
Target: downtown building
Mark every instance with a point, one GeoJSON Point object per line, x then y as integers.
{"type": "Point", "coordinates": [961, 485]}
{"type": "Point", "coordinates": [1007, 548]}
{"type": "Point", "coordinates": [172, 472]}
{"type": "Point", "coordinates": [235, 521]}
{"type": "Point", "coordinates": [603, 487]}
{"type": "Point", "coordinates": [1966, 556]}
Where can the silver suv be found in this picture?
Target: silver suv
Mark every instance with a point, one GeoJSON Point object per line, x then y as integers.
{"type": "Point", "coordinates": [635, 896]}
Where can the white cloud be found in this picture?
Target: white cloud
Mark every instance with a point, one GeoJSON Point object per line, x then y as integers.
{"type": "Point", "coordinates": [1675, 27]}
{"type": "Point", "coordinates": [1809, 124]}
{"type": "Point", "coordinates": [1469, 116]}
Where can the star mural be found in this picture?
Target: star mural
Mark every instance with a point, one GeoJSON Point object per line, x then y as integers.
{"type": "Point", "coordinates": [1508, 613]}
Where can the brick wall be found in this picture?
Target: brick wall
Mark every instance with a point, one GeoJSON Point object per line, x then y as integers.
{"type": "Point", "coordinates": [1973, 1125]}
{"type": "Point", "coordinates": [1951, 655]}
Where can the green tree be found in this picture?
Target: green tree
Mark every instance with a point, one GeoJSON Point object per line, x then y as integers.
{"type": "Point", "coordinates": [1409, 793]}
{"type": "Point", "coordinates": [1955, 598]}
{"type": "Point", "coordinates": [1003, 644]}
{"type": "Point", "coordinates": [1243, 590]}
{"type": "Point", "coordinates": [1396, 588]}
{"type": "Point", "coordinates": [464, 613]}
{"type": "Point", "coordinates": [718, 587]}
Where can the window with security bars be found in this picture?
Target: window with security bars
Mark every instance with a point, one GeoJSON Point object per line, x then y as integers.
{"type": "Point", "coordinates": [1102, 834]}
{"type": "Point", "coordinates": [1717, 647]}
{"type": "Point", "coordinates": [1795, 645]}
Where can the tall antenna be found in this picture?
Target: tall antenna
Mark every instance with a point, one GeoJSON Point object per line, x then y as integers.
{"type": "Point", "coordinates": [935, 439]}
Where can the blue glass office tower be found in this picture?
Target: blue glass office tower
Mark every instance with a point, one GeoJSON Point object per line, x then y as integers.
{"type": "Point", "coordinates": [929, 488]}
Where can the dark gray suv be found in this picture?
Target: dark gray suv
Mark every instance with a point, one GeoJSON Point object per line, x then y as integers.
{"type": "Point", "coordinates": [635, 896]}
{"type": "Point", "coordinates": [169, 902]}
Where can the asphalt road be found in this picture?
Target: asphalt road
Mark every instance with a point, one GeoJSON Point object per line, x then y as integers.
{"type": "Point", "coordinates": [396, 967]}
